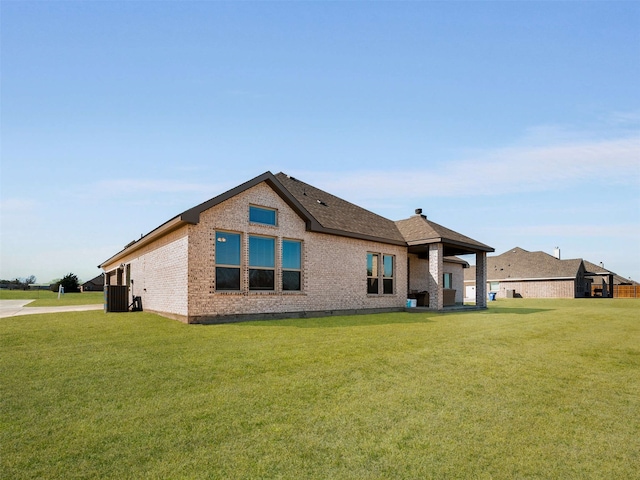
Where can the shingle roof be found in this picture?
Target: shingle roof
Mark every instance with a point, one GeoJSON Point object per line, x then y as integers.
{"type": "Point", "coordinates": [597, 269]}
{"type": "Point", "coordinates": [98, 280]}
{"type": "Point", "coordinates": [520, 264]}
{"type": "Point", "coordinates": [322, 212]}
{"type": "Point", "coordinates": [418, 230]}
{"type": "Point", "coordinates": [338, 216]}
{"type": "Point", "coordinates": [602, 272]}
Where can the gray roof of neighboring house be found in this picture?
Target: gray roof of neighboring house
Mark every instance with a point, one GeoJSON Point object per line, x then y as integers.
{"type": "Point", "coordinates": [597, 269]}
{"type": "Point", "coordinates": [520, 264]}
{"type": "Point", "coordinates": [99, 280]}
{"type": "Point", "coordinates": [600, 271]}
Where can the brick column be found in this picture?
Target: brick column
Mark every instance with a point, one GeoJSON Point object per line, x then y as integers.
{"type": "Point", "coordinates": [481, 279]}
{"type": "Point", "coordinates": [435, 277]}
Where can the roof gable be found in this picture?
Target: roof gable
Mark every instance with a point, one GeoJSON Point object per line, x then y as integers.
{"type": "Point", "coordinates": [417, 230]}
{"type": "Point", "coordinates": [321, 211]}
{"type": "Point", "coordinates": [193, 214]}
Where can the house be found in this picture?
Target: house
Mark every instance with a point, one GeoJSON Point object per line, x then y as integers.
{"type": "Point", "coordinates": [96, 284]}
{"type": "Point", "coordinates": [605, 282]}
{"type": "Point", "coordinates": [520, 273]}
{"type": "Point", "coordinates": [277, 247]}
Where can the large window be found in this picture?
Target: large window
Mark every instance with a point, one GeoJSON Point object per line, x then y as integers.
{"type": "Point", "coordinates": [266, 216]}
{"type": "Point", "coordinates": [291, 265]}
{"type": "Point", "coordinates": [388, 274]}
{"type": "Point", "coordinates": [262, 263]}
{"type": "Point", "coordinates": [227, 261]}
{"type": "Point", "coordinates": [373, 272]}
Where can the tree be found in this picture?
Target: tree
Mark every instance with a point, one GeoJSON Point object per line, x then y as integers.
{"type": "Point", "coordinates": [70, 283]}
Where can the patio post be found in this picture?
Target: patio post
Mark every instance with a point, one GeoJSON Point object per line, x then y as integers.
{"type": "Point", "coordinates": [481, 279]}
{"type": "Point", "coordinates": [436, 300]}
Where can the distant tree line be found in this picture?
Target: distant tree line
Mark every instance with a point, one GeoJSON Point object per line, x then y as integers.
{"type": "Point", "coordinates": [69, 282]}
{"type": "Point", "coordinates": [18, 283]}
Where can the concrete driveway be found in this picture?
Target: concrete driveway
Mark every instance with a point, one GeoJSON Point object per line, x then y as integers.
{"type": "Point", "coordinates": [13, 308]}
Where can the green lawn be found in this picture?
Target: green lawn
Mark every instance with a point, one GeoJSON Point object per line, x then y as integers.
{"type": "Point", "coordinates": [47, 298]}
{"type": "Point", "coordinates": [526, 389]}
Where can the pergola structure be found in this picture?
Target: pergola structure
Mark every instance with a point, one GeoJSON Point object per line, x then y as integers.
{"type": "Point", "coordinates": [432, 241]}
{"type": "Point", "coordinates": [607, 287]}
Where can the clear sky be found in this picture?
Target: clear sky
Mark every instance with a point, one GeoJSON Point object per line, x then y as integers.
{"type": "Point", "coordinates": [515, 123]}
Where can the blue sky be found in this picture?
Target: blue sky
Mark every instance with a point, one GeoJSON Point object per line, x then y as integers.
{"type": "Point", "coordinates": [515, 123]}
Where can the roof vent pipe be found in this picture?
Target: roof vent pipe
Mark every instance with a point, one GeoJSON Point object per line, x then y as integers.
{"type": "Point", "coordinates": [418, 211]}
{"type": "Point", "coordinates": [556, 252]}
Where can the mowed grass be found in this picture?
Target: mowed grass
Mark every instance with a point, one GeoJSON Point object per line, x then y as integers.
{"type": "Point", "coordinates": [525, 389]}
{"type": "Point", "coordinates": [47, 298]}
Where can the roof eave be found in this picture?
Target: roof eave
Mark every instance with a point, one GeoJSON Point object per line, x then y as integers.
{"type": "Point", "coordinates": [469, 246]}
{"type": "Point", "coordinates": [167, 227]}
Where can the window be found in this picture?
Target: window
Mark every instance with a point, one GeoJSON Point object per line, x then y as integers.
{"type": "Point", "coordinates": [372, 273]}
{"type": "Point", "coordinates": [266, 216]}
{"type": "Point", "coordinates": [380, 274]}
{"type": "Point", "coordinates": [262, 263]}
{"type": "Point", "coordinates": [387, 276]}
{"type": "Point", "coordinates": [227, 247]}
{"type": "Point", "coordinates": [447, 280]}
{"type": "Point", "coordinates": [291, 265]}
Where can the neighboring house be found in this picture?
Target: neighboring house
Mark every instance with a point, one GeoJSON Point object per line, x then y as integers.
{"type": "Point", "coordinates": [520, 273]}
{"type": "Point", "coordinates": [604, 279]}
{"type": "Point", "coordinates": [94, 285]}
{"type": "Point", "coordinates": [276, 247]}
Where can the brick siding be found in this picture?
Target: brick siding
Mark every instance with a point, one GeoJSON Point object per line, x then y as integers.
{"type": "Point", "coordinates": [175, 274]}
{"type": "Point", "coordinates": [333, 267]}
{"type": "Point", "coordinates": [419, 276]}
{"type": "Point", "coordinates": [539, 289]}
{"type": "Point", "coordinates": [159, 273]}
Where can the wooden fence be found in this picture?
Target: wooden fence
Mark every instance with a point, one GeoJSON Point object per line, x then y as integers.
{"type": "Point", "coordinates": [626, 291]}
{"type": "Point", "coordinates": [619, 291]}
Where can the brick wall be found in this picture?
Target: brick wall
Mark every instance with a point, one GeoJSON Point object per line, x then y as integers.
{"type": "Point", "coordinates": [419, 276]}
{"type": "Point", "coordinates": [175, 274]}
{"type": "Point", "coordinates": [333, 268]}
{"type": "Point", "coordinates": [159, 274]}
{"type": "Point", "coordinates": [457, 272]}
{"type": "Point", "coordinates": [539, 289]}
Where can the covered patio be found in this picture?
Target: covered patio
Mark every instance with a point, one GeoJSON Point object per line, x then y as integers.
{"type": "Point", "coordinates": [434, 244]}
